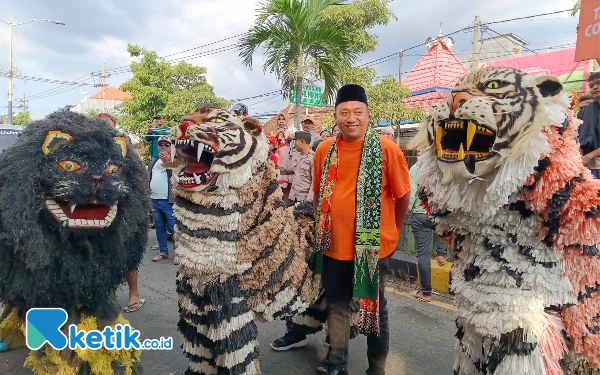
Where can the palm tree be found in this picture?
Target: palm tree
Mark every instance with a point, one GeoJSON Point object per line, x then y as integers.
{"type": "Point", "coordinates": [576, 7]}
{"type": "Point", "coordinates": [292, 31]}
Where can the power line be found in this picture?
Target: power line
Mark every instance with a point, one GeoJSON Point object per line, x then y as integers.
{"type": "Point", "coordinates": [83, 78]}
{"type": "Point", "coordinates": [488, 29]}
{"type": "Point", "coordinates": [47, 80]}
{"type": "Point", "coordinates": [379, 60]}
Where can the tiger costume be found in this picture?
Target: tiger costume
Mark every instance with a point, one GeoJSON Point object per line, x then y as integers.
{"type": "Point", "coordinates": [243, 255]}
{"type": "Point", "coordinates": [502, 178]}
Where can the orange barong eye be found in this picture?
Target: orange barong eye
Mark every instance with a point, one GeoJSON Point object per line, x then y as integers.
{"type": "Point", "coordinates": [69, 166]}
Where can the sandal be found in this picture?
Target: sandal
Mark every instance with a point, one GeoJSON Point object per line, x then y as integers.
{"type": "Point", "coordinates": [419, 297]}
{"type": "Point", "coordinates": [159, 257]}
{"type": "Point", "coordinates": [132, 307]}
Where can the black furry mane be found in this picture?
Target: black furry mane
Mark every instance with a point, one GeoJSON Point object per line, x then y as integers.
{"type": "Point", "coordinates": [45, 264]}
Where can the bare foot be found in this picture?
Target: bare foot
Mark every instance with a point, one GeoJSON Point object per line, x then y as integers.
{"type": "Point", "coordinates": [441, 259]}
{"type": "Point", "coordinates": [419, 295]}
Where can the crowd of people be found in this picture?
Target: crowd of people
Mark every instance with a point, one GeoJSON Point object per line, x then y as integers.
{"type": "Point", "coordinates": [304, 158]}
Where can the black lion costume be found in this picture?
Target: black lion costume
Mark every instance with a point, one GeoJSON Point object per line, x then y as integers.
{"type": "Point", "coordinates": [74, 199]}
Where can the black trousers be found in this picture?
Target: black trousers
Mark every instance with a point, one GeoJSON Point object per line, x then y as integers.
{"type": "Point", "coordinates": [338, 283]}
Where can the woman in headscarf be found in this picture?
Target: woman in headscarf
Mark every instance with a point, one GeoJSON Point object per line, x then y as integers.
{"type": "Point", "coordinates": [324, 134]}
{"type": "Point", "coordinates": [283, 157]}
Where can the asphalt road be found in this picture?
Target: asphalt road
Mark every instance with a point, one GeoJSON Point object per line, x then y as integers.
{"type": "Point", "coordinates": [422, 335]}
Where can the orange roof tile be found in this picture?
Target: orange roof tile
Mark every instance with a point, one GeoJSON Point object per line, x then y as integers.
{"type": "Point", "coordinates": [316, 113]}
{"type": "Point", "coordinates": [113, 93]}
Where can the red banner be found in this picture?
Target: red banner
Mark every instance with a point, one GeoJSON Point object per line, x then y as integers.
{"type": "Point", "coordinates": [588, 31]}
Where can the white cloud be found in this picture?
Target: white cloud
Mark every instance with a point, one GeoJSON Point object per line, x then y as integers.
{"type": "Point", "coordinates": [98, 32]}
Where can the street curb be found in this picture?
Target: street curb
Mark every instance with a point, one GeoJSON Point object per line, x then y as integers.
{"type": "Point", "coordinates": [405, 267]}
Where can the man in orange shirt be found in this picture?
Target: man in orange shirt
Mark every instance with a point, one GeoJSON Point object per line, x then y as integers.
{"type": "Point", "coordinates": [361, 187]}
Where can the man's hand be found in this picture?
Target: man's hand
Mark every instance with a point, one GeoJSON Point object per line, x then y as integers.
{"type": "Point", "coordinates": [586, 158]}
{"type": "Point", "coordinates": [164, 156]}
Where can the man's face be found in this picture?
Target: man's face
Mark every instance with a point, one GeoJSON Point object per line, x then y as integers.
{"type": "Point", "coordinates": [352, 118]}
{"type": "Point", "coordinates": [300, 145]}
{"type": "Point", "coordinates": [164, 146]}
{"type": "Point", "coordinates": [160, 121]}
{"type": "Point", "coordinates": [594, 86]}
{"type": "Point", "coordinates": [308, 126]}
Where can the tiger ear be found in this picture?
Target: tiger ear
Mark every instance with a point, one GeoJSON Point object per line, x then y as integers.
{"type": "Point", "coordinates": [54, 141]}
{"type": "Point", "coordinates": [548, 85]}
{"type": "Point", "coordinates": [253, 126]}
{"type": "Point", "coordinates": [121, 142]}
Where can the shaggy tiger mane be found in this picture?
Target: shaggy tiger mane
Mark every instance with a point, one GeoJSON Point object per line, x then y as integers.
{"type": "Point", "coordinates": [524, 217]}
{"type": "Point", "coordinates": [239, 247]}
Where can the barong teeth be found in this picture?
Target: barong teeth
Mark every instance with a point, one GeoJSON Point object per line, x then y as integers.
{"type": "Point", "coordinates": [199, 153]}
{"type": "Point", "coordinates": [72, 207]}
{"type": "Point", "coordinates": [471, 130]}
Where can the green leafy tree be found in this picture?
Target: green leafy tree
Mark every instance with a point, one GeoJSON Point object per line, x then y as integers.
{"type": "Point", "coordinates": [292, 31]}
{"type": "Point", "coordinates": [385, 102]}
{"type": "Point", "coordinates": [358, 76]}
{"type": "Point", "coordinates": [576, 7]}
{"type": "Point", "coordinates": [22, 118]}
{"type": "Point", "coordinates": [157, 86]}
{"type": "Point", "coordinates": [356, 17]}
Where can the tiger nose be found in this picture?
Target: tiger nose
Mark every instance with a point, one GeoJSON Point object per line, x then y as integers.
{"type": "Point", "coordinates": [96, 181]}
{"type": "Point", "coordinates": [455, 101]}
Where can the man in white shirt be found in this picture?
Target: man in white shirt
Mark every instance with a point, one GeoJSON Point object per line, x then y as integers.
{"type": "Point", "coordinates": [162, 199]}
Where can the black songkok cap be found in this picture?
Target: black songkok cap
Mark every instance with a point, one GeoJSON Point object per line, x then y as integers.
{"type": "Point", "coordinates": [351, 93]}
{"type": "Point", "coordinates": [305, 136]}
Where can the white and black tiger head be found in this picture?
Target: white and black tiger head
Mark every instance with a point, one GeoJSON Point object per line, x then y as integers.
{"type": "Point", "coordinates": [488, 116]}
{"type": "Point", "coordinates": [215, 149]}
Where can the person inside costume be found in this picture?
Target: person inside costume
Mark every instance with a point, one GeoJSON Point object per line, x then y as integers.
{"type": "Point", "coordinates": [589, 132]}
{"type": "Point", "coordinates": [243, 255]}
{"type": "Point", "coordinates": [502, 178]}
{"type": "Point", "coordinates": [357, 177]}
{"type": "Point", "coordinates": [73, 202]}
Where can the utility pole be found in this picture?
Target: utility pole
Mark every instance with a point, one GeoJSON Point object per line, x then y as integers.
{"type": "Point", "coordinates": [104, 87]}
{"type": "Point", "coordinates": [10, 74]}
{"type": "Point", "coordinates": [103, 84]}
{"type": "Point", "coordinates": [10, 66]}
{"type": "Point", "coordinates": [401, 53]}
{"type": "Point", "coordinates": [475, 56]}
{"type": "Point", "coordinates": [24, 104]}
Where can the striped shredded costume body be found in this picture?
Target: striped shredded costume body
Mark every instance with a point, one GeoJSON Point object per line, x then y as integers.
{"type": "Point", "coordinates": [243, 254]}
{"type": "Point", "coordinates": [502, 178]}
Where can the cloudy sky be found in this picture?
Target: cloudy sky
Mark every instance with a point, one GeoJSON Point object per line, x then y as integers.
{"type": "Point", "coordinates": [97, 32]}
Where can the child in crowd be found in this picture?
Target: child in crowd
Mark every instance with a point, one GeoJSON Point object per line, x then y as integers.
{"type": "Point", "coordinates": [284, 173]}
{"type": "Point", "coordinates": [302, 168]}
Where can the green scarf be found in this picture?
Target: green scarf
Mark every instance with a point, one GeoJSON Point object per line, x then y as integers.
{"type": "Point", "coordinates": [367, 237]}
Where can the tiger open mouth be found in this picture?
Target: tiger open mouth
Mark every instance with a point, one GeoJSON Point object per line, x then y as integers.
{"type": "Point", "coordinates": [92, 215]}
{"type": "Point", "coordinates": [199, 157]}
{"type": "Point", "coordinates": [464, 140]}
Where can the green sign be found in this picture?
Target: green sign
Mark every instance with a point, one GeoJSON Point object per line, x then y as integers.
{"type": "Point", "coordinates": [312, 96]}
